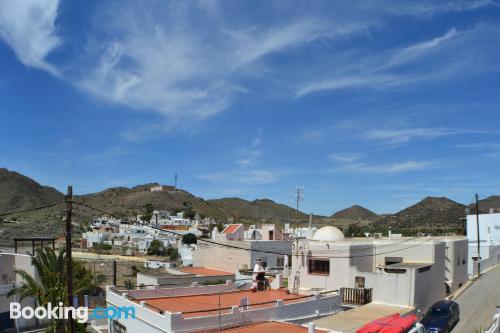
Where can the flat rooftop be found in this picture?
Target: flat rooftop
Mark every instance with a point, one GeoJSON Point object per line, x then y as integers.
{"type": "Point", "coordinates": [203, 271]}
{"type": "Point", "coordinates": [349, 321]}
{"type": "Point", "coordinates": [208, 304]}
{"type": "Point", "coordinates": [270, 327]}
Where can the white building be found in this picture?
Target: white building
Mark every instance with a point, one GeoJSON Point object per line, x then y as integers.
{"type": "Point", "coordinates": [9, 262]}
{"type": "Point", "coordinates": [489, 241]}
{"type": "Point", "coordinates": [406, 272]}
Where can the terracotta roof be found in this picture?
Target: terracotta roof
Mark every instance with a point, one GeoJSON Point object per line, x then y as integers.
{"type": "Point", "coordinates": [207, 304]}
{"type": "Point", "coordinates": [270, 327]}
{"type": "Point", "coordinates": [231, 228]}
{"type": "Point", "coordinates": [202, 271]}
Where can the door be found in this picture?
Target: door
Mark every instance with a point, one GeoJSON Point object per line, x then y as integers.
{"type": "Point", "coordinates": [359, 282]}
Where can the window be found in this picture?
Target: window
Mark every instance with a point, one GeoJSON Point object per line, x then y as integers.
{"type": "Point", "coordinates": [424, 269]}
{"type": "Point", "coordinates": [280, 262]}
{"type": "Point", "coordinates": [118, 328]}
{"type": "Point", "coordinates": [319, 266]}
{"type": "Point", "coordinates": [393, 260]}
{"type": "Point", "coordinates": [458, 261]}
{"type": "Point", "coordinates": [271, 235]}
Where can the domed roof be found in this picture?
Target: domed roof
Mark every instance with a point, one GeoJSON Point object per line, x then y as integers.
{"type": "Point", "coordinates": [328, 233]}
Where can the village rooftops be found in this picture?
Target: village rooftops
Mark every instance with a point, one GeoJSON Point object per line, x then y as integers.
{"type": "Point", "coordinates": [208, 304]}
{"type": "Point", "coordinates": [270, 327]}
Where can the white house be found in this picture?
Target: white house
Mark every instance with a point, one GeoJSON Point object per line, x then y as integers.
{"type": "Point", "coordinates": [406, 272]}
{"type": "Point", "coordinates": [489, 241]}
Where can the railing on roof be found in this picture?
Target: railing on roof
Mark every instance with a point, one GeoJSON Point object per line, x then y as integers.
{"type": "Point", "coordinates": [495, 326]}
{"type": "Point", "coordinates": [356, 295]}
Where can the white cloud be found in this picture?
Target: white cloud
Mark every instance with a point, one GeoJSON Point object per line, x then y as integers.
{"type": "Point", "coordinates": [405, 135]}
{"type": "Point", "coordinates": [252, 153]}
{"type": "Point", "coordinates": [28, 27]}
{"type": "Point", "coordinates": [345, 157]}
{"type": "Point", "coordinates": [393, 168]}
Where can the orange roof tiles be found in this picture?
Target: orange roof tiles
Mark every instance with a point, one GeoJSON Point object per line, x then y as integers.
{"type": "Point", "coordinates": [231, 228]}
{"type": "Point", "coordinates": [203, 271]}
{"type": "Point", "coordinates": [269, 327]}
{"type": "Point", "coordinates": [207, 304]}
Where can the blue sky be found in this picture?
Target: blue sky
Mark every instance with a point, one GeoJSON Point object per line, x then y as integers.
{"type": "Point", "coordinates": [377, 103]}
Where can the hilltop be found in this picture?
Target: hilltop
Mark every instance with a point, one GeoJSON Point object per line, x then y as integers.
{"type": "Point", "coordinates": [431, 212]}
{"type": "Point", "coordinates": [355, 213]}
{"type": "Point", "coordinates": [19, 192]}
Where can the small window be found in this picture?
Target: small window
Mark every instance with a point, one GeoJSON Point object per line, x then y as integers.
{"type": "Point", "coordinates": [458, 261]}
{"type": "Point", "coordinates": [393, 260]}
{"type": "Point", "coordinates": [319, 266]}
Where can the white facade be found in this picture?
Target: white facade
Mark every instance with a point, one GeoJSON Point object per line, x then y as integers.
{"type": "Point", "coordinates": [9, 262]}
{"type": "Point", "coordinates": [489, 240]}
{"type": "Point", "coordinates": [402, 272]}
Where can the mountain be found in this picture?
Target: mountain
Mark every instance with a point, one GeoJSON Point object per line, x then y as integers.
{"type": "Point", "coordinates": [18, 192]}
{"type": "Point", "coordinates": [491, 202]}
{"type": "Point", "coordinates": [431, 212]}
{"type": "Point", "coordinates": [356, 213]}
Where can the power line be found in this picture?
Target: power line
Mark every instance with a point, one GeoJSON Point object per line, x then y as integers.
{"type": "Point", "coordinates": [264, 251]}
{"type": "Point", "coordinates": [32, 209]}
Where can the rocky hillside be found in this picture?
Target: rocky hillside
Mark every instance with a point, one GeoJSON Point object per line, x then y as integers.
{"type": "Point", "coordinates": [491, 202]}
{"type": "Point", "coordinates": [431, 212]}
{"type": "Point", "coordinates": [19, 192]}
{"type": "Point", "coordinates": [355, 213]}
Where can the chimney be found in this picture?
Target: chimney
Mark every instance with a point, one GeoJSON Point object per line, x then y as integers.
{"type": "Point", "coordinates": [310, 220]}
{"type": "Point", "coordinates": [311, 327]}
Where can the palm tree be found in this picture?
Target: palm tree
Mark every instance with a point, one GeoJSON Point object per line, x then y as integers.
{"type": "Point", "coordinates": [50, 287]}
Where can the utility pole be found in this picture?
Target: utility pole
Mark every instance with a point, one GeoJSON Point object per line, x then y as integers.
{"type": "Point", "coordinates": [69, 259]}
{"type": "Point", "coordinates": [219, 312]}
{"type": "Point", "coordinates": [478, 238]}
{"type": "Point", "coordinates": [299, 196]}
{"type": "Point", "coordinates": [114, 273]}
{"type": "Point", "coordinates": [175, 181]}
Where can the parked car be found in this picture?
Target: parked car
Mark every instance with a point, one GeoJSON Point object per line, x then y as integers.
{"type": "Point", "coordinates": [441, 317]}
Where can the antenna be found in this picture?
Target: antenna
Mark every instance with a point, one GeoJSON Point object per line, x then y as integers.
{"type": "Point", "coordinates": [175, 181]}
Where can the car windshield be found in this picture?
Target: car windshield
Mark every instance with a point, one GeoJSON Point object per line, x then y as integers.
{"type": "Point", "coordinates": [438, 312]}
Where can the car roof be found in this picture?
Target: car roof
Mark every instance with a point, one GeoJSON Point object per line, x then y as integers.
{"type": "Point", "coordinates": [443, 304]}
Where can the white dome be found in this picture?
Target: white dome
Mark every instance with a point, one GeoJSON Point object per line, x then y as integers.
{"type": "Point", "coordinates": [329, 234]}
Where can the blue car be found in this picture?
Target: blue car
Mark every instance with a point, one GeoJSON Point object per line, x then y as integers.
{"type": "Point", "coordinates": [441, 317]}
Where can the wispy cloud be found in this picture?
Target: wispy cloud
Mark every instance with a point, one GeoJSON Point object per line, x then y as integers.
{"type": "Point", "coordinates": [252, 153]}
{"type": "Point", "coordinates": [393, 168]}
{"type": "Point", "coordinates": [345, 157]}
{"type": "Point", "coordinates": [28, 27]}
{"type": "Point", "coordinates": [405, 135]}
{"type": "Point", "coordinates": [442, 57]}
{"type": "Point", "coordinates": [248, 177]}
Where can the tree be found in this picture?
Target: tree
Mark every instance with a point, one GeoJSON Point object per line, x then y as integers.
{"type": "Point", "coordinates": [189, 239]}
{"type": "Point", "coordinates": [148, 212]}
{"type": "Point", "coordinates": [51, 286]}
{"type": "Point", "coordinates": [156, 247]}
{"type": "Point", "coordinates": [173, 253]}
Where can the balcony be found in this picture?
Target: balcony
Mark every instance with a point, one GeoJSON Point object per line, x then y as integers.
{"type": "Point", "coordinates": [356, 296]}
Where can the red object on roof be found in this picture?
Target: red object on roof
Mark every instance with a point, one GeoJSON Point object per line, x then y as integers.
{"type": "Point", "coordinates": [270, 327]}
{"type": "Point", "coordinates": [390, 324]}
{"type": "Point", "coordinates": [231, 228]}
